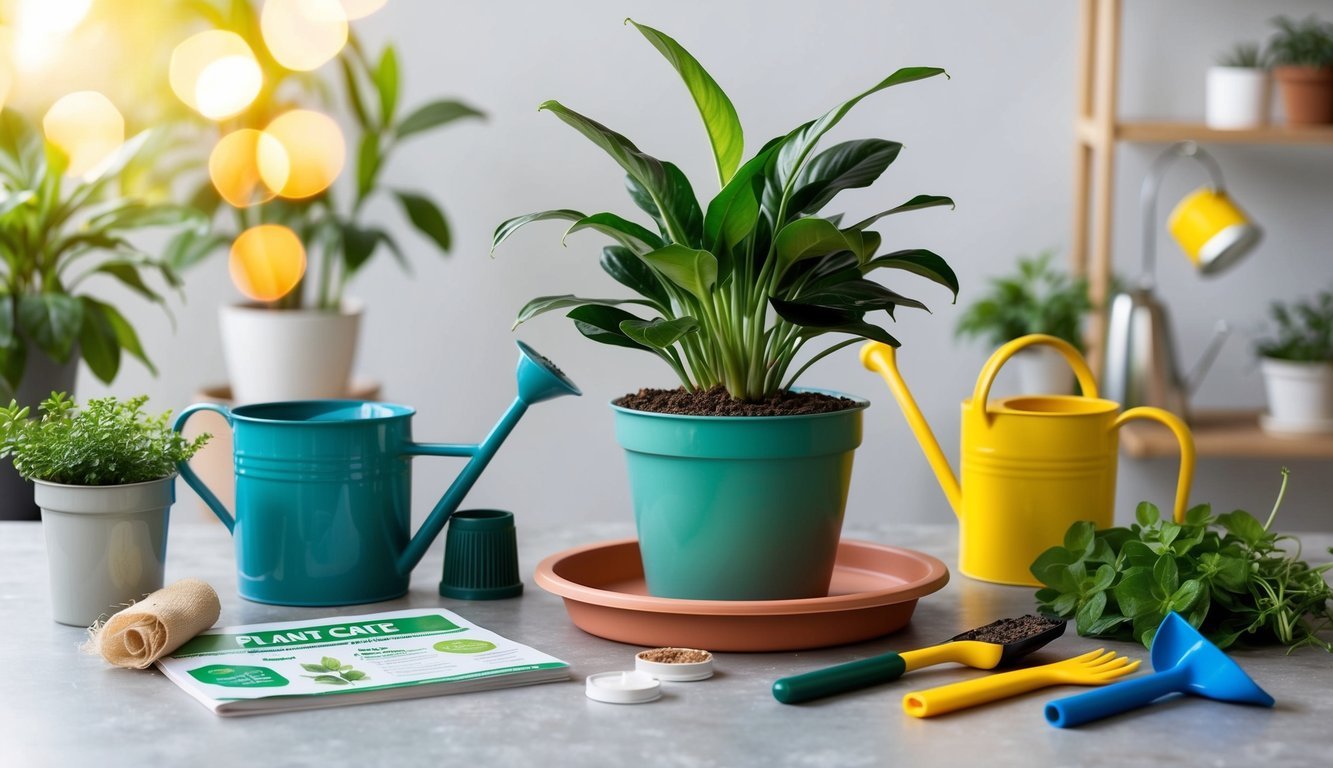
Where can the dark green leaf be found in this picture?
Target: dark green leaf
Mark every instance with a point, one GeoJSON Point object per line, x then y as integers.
{"type": "Point", "coordinates": [98, 344]}
{"type": "Point", "coordinates": [728, 220]}
{"type": "Point", "coordinates": [386, 82]}
{"type": "Point", "coordinates": [1103, 578]}
{"type": "Point", "coordinates": [849, 165]}
{"type": "Point", "coordinates": [1200, 514]}
{"type": "Point", "coordinates": [915, 204]}
{"type": "Point", "coordinates": [625, 232]}
{"type": "Point", "coordinates": [1243, 526]}
{"type": "Point", "coordinates": [1089, 611]}
{"type": "Point", "coordinates": [918, 262]}
{"type": "Point", "coordinates": [1079, 537]}
{"type": "Point", "coordinates": [691, 269]}
{"type": "Point", "coordinates": [629, 270]}
{"type": "Point", "coordinates": [511, 226]}
{"type": "Point", "coordinates": [1166, 573]}
{"type": "Point", "coordinates": [602, 324]}
{"type": "Point", "coordinates": [659, 333]}
{"type": "Point", "coordinates": [427, 217]}
{"type": "Point", "coordinates": [125, 333]}
{"type": "Point", "coordinates": [127, 272]}
{"type": "Point", "coordinates": [545, 304]}
{"type": "Point", "coordinates": [817, 320]}
{"type": "Point", "coordinates": [683, 216]}
{"type": "Point", "coordinates": [1134, 592]}
{"type": "Point", "coordinates": [52, 320]}
{"type": "Point", "coordinates": [1185, 597]}
{"type": "Point", "coordinates": [434, 114]}
{"type": "Point", "coordinates": [859, 296]}
{"type": "Point", "coordinates": [1049, 567]}
{"type": "Point", "coordinates": [808, 239]}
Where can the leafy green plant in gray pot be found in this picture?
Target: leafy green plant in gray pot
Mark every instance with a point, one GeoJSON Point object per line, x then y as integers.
{"type": "Point", "coordinates": [740, 482]}
{"type": "Point", "coordinates": [1297, 366]}
{"type": "Point", "coordinates": [60, 234]}
{"type": "Point", "coordinates": [105, 478]}
{"type": "Point", "coordinates": [1036, 298]}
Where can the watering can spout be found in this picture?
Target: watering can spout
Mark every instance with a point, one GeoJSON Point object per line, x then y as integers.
{"type": "Point", "coordinates": [882, 358]}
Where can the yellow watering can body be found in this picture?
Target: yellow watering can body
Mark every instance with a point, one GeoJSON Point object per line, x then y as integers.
{"type": "Point", "coordinates": [1032, 465]}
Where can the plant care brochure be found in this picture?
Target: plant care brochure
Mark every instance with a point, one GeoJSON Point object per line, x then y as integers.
{"type": "Point", "coordinates": [290, 665]}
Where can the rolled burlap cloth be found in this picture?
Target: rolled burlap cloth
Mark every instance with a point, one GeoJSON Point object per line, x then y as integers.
{"type": "Point", "coordinates": [157, 625]}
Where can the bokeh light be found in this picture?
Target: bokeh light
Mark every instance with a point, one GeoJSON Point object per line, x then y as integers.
{"type": "Point", "coordinates": [303, 34]}
{"type": "Point", "coordinates": [233, 167]}
{"type": "Point", "coordinates": [359, 9]}
{"type": "Point", "coordinates": [87, 127]}
{"type": "Point", "coordinates": [267, 262]}
{"type": "Point", "coordinates": [307, 153]}
{"type": "Point", "coordinates": [215, 74]}
{"type": "Point", "coordinates": [40, 26]}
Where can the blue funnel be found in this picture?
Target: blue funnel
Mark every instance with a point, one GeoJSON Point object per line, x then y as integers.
{"type": "Point", "coordinates": [1184, 662]}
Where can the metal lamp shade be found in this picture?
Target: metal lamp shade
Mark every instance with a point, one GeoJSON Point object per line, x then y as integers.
{"type": "Point", "coordinates": [1212, 230]}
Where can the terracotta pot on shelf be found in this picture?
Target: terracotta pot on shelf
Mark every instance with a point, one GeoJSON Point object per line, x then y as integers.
{"type": "Point", "coordinates": [1307, 94]}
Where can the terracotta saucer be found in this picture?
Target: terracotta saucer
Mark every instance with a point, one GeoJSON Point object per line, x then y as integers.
{"type": "Point", "coordinates": [873, 593]}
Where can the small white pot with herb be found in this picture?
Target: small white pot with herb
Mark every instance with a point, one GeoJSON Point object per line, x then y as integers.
{"type": "Point", "coordinates": [105, 477]}
{"type": "Point", "coordinates": [1238, 89]}
{"type": "Point", "coordinates": [1297, 366]}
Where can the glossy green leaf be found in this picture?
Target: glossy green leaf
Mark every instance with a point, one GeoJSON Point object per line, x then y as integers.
{"type": "Point", "coordinates": [433, 115]}
{"type": "Point", "coordinates": [386, 82]}
{"type": "Point", "coordinates": [683, 216]}
{"type": "Point", "coordinates": [1090, 611]}
{"type": "Point", "coordinates": [627, 233]}
{"type": "Point", "coordinates": [511, 226]}
{"type": "Point", "coordinates": [659, 333]}
{"type": "Point", "coordinates": [919, 262]}
{"type": "Point", "coordinates": [1147, 513]}
{"type": "Point", "coordinates": [1243, 526]}
{"type": "Point", "coordinates": [629, 270]}
{"type": "Point", "coordinates": [427, 217]}
{"type": "Point", "coordinates": [691, 269]}
{"type": "Point", "coordinates": [544, 304]}
{"type": "Point", "coordinates": [860, 296]}
{"type": "Point", "coordinates": [849, 165]}
{"type": "Point", "coordinates": [718, 113]}
{"type": "Point", "coordinates": [126, 336]}
{"type": "Point", "coordinates": [808, 239]}
{"type": "Point", "coordinates": [1078, 539]}
{"type": "Point", "coordinates": [1166, 573]}
{"type": "Point", "coordinates": [915, 204]}
{"type": "Point", "coordinates": [602, 324]}
{"type": "Point", "coordinates": [830, 320]}
{"type": "Point", "coordinates": [733, 213]}
{"type": "Point", "coordinates": [98, 344]}
{"type": "Point", "coordinates": [52, 320]}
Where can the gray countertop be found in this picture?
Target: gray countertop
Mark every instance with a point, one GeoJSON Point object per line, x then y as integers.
{"type": "Point", "coordinates": [60, 707]}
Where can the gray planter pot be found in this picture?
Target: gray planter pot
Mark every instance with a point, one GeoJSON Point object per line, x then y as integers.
{"type": "Point", "coordinates": [105, 545]}
{"type": "Point", "coordinates": [41, 377]}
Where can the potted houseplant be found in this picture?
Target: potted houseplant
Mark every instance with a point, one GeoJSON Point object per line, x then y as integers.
{"type": "Point", "coordinates": [739, 481]}
{"type": "Point", "coordinates": [1297, 366]}
{"type": "Point", "coordinates": [60, 234]}
{"type": "Point", "coordinates": [105, 476]}
{"type": "Point", "coordinates": [1302, 57]}
{"type": "Point", "coordinates": [1237, 89]}
{"type": "Point", "coordinates": [299, 340]}
{"type": "Point", "coordinates": [1037, 298]}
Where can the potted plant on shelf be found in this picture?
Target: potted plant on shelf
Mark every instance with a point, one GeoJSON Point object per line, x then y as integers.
{"type": "Point", "coordinates": [1302, 57]}
{"type": "Point", "coordinates": [105, 476]}
{"type": "Point", "coordinates": [1037, 298]}
{"type": "Point", "coordinates": [62, 229]}
{"type": "Point", "coordinates": [1297, 366]}
{"type": "Point", "coordinates": [1237, 89]}
{"type": "Point", "coordinates": [739, 481]}
{"type": "Point", "coordinates": [273, 167]}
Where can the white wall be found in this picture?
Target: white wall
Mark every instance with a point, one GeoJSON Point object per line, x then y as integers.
{"type": "Point", "coordinates": [997, 137]}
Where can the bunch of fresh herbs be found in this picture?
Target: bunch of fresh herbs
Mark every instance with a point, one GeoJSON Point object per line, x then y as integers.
{"type": "Point", "coordinates": [106, 442]}
{"type": "Point", "coordinates": [1230, 576]}
{"type": "Point", "coordinates": [1038, 298]}
{"type": "Point", "coordinates": [1303, 330]}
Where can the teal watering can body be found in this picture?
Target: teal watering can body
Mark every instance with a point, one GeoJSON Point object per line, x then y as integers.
{"type": "Point", "coordinates": [323, 492]}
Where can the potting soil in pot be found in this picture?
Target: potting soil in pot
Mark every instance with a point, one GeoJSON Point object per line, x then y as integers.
{"type": "Point", "coordinates": [719, 402]}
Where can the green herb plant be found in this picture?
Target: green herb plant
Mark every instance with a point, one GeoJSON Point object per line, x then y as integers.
{"type": "Point", "coordinates": [1230, 576]}
{"type": "Point", "coordinates": [1038, 298]}
{"type": "Point", "coordinates": [734, 290]}
{"type": "Point", "coordinates": [1306, 43]}
{"type": "Point", "coordinates": [330, 671]}
{"type": "Point", "coordinates": [338, 236]}
{"type": "Point", "coordinates": [106, 442]}
{"type": "Point", "coordinates": [58, 233]}
{"type": "Point", "coordinates": [1303, 330]}
{"type": "Point", "coordinates": [1244, 56]}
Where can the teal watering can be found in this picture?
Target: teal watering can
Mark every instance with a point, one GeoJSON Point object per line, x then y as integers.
{"type": "Point", "coordinates": [323, 491]}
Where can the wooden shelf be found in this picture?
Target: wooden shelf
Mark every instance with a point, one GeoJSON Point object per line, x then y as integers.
{"type": "Point", "coordinates": [1165, 132]}
{"type": "Point", "coordinates": [1226, 434]}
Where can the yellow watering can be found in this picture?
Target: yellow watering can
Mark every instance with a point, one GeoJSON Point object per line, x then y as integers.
{"type": "Point", "coordinates": [1032, 465]}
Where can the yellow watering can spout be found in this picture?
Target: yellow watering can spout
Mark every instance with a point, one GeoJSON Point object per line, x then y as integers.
{"type": "Point", "coordinates": [876, 356]}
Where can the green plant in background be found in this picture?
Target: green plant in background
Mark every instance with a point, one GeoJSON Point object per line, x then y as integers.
{"type": "Point", "coordinates": [1038, 298]}
{"type": "Point", "coordinates": [1304, 330]}
{"type": "Point", "coordinates": [1244, 56]}
{"type": "Point", "coordinates": [106, 442]}
{"type": "Point", "coordinates": [735, 290]}
{"type": "Point", "coordinates": [1306, 43]}
{"type": "Point", "coordinates": [330, 671]}
{"type": "Point", "coordinates": [57, 232]}
{"type": "Point", "coordinates": [338, 237]}
{"type": "Point", "coordinates": [1230, 576]}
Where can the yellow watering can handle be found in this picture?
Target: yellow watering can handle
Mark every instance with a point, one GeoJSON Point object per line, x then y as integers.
{"type": "Point", "coordinates": [1086, 381]}
{"type": "Point", "coordinates": [1186, 440]}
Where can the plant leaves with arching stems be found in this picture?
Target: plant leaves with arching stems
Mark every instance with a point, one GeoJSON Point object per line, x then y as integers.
{"type": "Point", "coordinates": [602, 324]}
{"type": "Point", "coordinates": [821, 319]}
{"type": "Point", "coordinates": [919, 262]}
{"type": "Point", "coordinates": [127, 273]}
{"type": "Point", "coordinates": [629, 270]}
{"type": "Point", "coordinates": [52, 320]}
{"type": "Point", "coordinates": [386, 82]}
{"type": "Point", "coordinates": [808, 239]}
{"type": "Point", "coordinates": [427, 217]}
{"type": "Point", "coordinates": [860, 296]}
{"type": "Point", "coordinates": [849, 165]}
{"type": "Point", "coordinates": [690, 268]}
{"type": "Point", "coordinates": [510, 226]}
{"type": "Point", "coordinates": [915, 204]}
{"type": "Point", "coordinates": [718, 113]}
{"type": "Point", "coordinates": [433, 115]}
{"type": "Point", "coordinates": [659, 333]}
{"type": "Point", "coordinates": [628, 234]}
{"type": "Point", "coordinates": [359, 245]}
{"type": "Point", "coordinates": [546, 304]}
{"type": "Point", "coordinates": [681, 205]}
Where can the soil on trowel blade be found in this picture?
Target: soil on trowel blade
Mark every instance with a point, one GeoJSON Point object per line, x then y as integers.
{"type": "Point", "coordinates": [1010, 630]}
{"type": "Point", "coordinates": [718, 402]}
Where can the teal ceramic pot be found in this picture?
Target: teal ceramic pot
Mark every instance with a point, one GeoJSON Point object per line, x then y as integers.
{"type": "Point", "coordinates": [739, 507]}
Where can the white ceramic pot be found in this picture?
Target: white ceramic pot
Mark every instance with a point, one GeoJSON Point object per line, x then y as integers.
{"type": "Point", "coordinates": [1300, 396]}
{"type": "Point", "coordinates": [289, 354]}
{"type": "Point", "coordinates": [1043, 371]}
{"type": "Point", "coordinates": [1237, 97]}
{"type": "Point", "coordinates": [105, 545]}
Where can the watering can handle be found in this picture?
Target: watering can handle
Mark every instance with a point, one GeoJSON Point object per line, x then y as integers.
{"type": "Point", "coordinates": [191, 478]}
{"type": "Point", "coordinates": [1183, 436]}
{"type": "Point", "coordinates": [1086, 381]}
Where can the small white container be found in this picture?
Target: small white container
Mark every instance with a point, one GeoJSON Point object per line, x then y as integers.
{"type": "Point", "coordinates": [1300, 396]}
{"type": "Point", "coordinates": [289, 354]}
{"type": "Point", "coordinates": [675, 671]}
{"type": "Point", "coordinates": [105, 545]}
{"type": "Point", "coordinates": [1237, 98]}
{"type": "Point", "coordinates": [1043, 370]}
{"type": "Point", "coordinates": [626, 687]}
